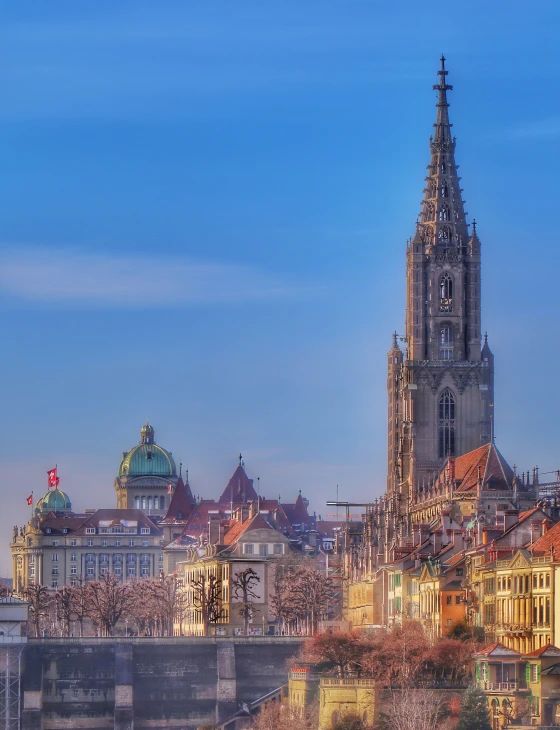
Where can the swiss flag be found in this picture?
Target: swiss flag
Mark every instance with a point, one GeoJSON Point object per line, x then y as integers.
{"type": "Point", "coordinates": [54, 481]}
{"type": "Point", "coordinates": [170, 489]}
{"type": "Point", "coordinates": [30, 499]}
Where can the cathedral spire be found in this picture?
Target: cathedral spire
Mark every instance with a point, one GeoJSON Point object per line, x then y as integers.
{"type": "Point", "coordinates": [442, 219]}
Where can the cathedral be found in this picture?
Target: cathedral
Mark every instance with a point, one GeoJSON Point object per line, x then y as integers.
{"type": "Point", "coordinates": [441, 381]}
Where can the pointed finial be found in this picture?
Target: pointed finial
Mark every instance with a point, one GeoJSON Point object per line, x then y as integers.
{"type": "Point", "coordinates": [180, 468]}
{"type": "Point", "coordinates": [474, 226]}
{"type": "Point", "coordinates": [486, 338]}
{"type": "Point", "coordinates": [240, 459]}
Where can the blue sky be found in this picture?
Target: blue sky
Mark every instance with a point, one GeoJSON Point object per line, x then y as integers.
{"type": "Point", "coordinates": [203, 221]}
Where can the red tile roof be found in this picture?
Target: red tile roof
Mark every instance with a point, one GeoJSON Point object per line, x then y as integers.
{"type": "Point", "coordinates": [258, 522]}
{"type": "Point", "coordinates": [486, 461]}
{"type": "Point", "coordinates": [550, 541]}
{"type": "Point", "coordinates": [547, 651]}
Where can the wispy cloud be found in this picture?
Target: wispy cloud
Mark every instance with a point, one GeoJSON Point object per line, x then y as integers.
{"type": "Point", "coordinates": [127, 280]}
{"type": "Point", "coordinates": [542, 129]}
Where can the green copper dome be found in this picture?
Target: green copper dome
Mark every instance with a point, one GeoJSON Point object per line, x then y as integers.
{"type": "Point", "coordinates": [147, 459]}
{"type": "Point", "coordinates": [55, 500]}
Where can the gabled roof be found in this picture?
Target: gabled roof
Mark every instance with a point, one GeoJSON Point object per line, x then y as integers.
{"type": "Point", "coordinates": [498, 650]}
{"type": "Point", "coordinates": [549, 542]}
{"type": "Point", "coordinates": [239, 488]}
{"type": "Point", "coordinates": [486, 461]}
{"type": "Point", "coordinates": [197, 522]}
{"type": "Point", "coordinates": [181, 504]}
{"type": "Point", "coordinates": [544, 652]}
{"type": "Point", "coordinates": [239, 529]}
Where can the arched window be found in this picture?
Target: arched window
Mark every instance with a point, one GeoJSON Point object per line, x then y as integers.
{"type": "Point", "coordinates": [446, 342]}
{"type": "Point", "coordinates": [446, 424]}
{"type": "Point", "coordinates": [446, 293]}
{"type": "Point", "coordinates": [143, 502]}
{"type": "Point", "coordinates": [137, 502]}
{"type": "Point", "coordinates": [156, 502]}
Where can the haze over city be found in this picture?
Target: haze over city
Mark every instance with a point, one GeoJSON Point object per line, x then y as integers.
{"type": "Point", "coordinates": [204, 220]}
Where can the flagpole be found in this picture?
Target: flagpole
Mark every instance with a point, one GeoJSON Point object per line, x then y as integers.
{"type": "Point", "coordinates": [31, 504]}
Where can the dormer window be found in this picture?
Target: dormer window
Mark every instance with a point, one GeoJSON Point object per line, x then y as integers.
{"type": "Point", "coordinates": [90, 530]}
{"type": "Point", "coordinates": [446, 293]}
{"type": "Point", "coordinates": [149, 455]}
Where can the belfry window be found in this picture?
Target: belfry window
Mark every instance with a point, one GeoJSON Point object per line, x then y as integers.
{"type": "Point", "coordinates": [446, 342]}
{"type": "Point", "coordinates": [446, 293]}
{"type": "Point", "coordinates": [446, 424]}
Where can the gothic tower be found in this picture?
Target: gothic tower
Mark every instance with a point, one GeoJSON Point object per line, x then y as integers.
{"type": "Point", "coordinates": [441, 387]}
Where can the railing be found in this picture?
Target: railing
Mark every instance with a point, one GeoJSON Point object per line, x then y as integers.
{"type": "Point", "coordinates": [501, 686]}
{"type": "Point", "coordinates": [330, 682]}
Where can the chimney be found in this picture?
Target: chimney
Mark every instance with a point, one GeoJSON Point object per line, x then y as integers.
{"type": "Point", "coordinates": [536, 530]}
{"type": "Point", "coordinates": [436, 541]}
{"type": "Point", "coordinates": [511, 518]}
{"type": "Point", "coordinates": [213, 529]}
{"type": "Point", "coordinates": [546, 525]}
{"type": "Point", "coordinates": [244, 513]}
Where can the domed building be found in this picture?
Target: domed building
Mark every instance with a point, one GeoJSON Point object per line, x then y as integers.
{"type": "Point", "coordinates": [145, 473]}
{"type": "Point", "coordinates": [55, 500]}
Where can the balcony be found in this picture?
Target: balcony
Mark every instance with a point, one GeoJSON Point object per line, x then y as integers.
{"type": "Point", "coordinates": [502, 687]}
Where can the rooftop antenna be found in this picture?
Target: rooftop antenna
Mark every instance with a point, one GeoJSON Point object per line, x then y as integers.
{"type": "Point", "coordinates": [258, 495]}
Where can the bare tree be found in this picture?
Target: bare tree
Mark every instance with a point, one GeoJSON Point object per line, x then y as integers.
{"type": "Point", "coordinates": [80, 602]}
{"type": "Point", "coordinates": [243, 584]}
{"type": "Point", "coordinates": [109, 600]}
{"type": "Point", "coordinates": [276, 716]}
{"type": "Point", "coordinates": [39, 601]}
{"type": "Point", "coordinates": [415, 709]}
{"type": "Point", "coordinates": [65, 614]}
{"type": "Point", "coordinates": [207, 599]}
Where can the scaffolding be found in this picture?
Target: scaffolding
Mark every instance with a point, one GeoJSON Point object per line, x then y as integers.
{"type": "Point", "coordinates": [10, 686]}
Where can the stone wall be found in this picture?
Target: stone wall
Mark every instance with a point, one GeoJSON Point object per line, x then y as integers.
{"type": "Point", "coordinates": [132, 684]}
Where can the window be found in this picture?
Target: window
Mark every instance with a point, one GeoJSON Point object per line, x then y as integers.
{"type": "Point", "coordinates": [90, 558]}
{"type": "Point", "coordinates": [73, 582]}
{"type": "Point", "coordinates": [103, 543]}
{"type": "Point", "coordinates": [446, 293]}
{"type": "Point", "coordinates": [277, 549]}
{"type": "Point", "coordinates": [90, 543]}
{"type": "Point", "coordinates": [55, 571]}
{"type": "Point", "coordinates": [446, 342]}
{"type": "Point", "coordinates": [117, 570]}
{"type": "Point", "coordinates": [54, 584]}
{"type": "Point", "coordinates": [117, 558]}
{"type": "Point", "coordinates": [156, 502]}
{"type": "Point", "coordinates": [458, 600]}
{"type": "Point", "coordinates": [534, 673]}
{"type": "Point", "coordinates": [103, 570]}
{"type": "Point", "coordinates": [104, 558]}
{"type": "Point", "coordinates": [459, 572]}
{"type": "Point", "coordinates": [145, 558]}
{"type": "Point", "coordinates": [73, 570]}
{"type": "Point", "coordinates": [31, 559]}
{"type": "Point", "coordinates": [55, 543]}
{"type": "Point", "coordinates": [137, 502]}
{"type": "Point", "coordinates": [144, 530]}
{"type": "Point", "coordinates": [55, 557]}
{"type": "Point", "coordinates": [248, 549]}
{"type": "Point", "coordinates": [117, 543]}
{"type": "Point", "coordinates": [144, 543]}
{"type": "Point", "coordinates": [447, 425]}
{"type": "Point", "coordinates": [90, 570]}
{"type": "Point", "coordinates": [131, 570]}
{"type": "Point", "coordinates": [131, 543]}
{"type": "Point", "coordinates": [90, 530]}
{"type": "Point", "coordinates": [73, 557]}
{"type": "Point", "coordinates": [143, 502]}
{"type": "Point", "coordinates": [160, 559]}
{"type": "Point", "coordinates": [64, 530]}
{"type": "Point", "coordinates": [548, 580]}
{"type": "Point", "coordinates": [131, 558]}
{"type": "Point", "coordinates": [448, 600]}
{"type": "Point", "coordinates": [73, 542]}
{"type": "Point", "coordinates": [145, 569]}
{"type": "Point", "coordinates": [263, 550]}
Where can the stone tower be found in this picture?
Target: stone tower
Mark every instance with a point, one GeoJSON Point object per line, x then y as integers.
{"type": "Point", "coordinates": [441, 387]}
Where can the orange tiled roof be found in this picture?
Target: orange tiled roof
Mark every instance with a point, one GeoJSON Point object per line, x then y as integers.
{"type": "Point", "coordinates": [548, 650]}
{"type": "Point", "coordinates": [258, 522]}
{"type": "Point", "coordinates": [486, 461]}
{"type": "Point", "coordinates": [549, 541]}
